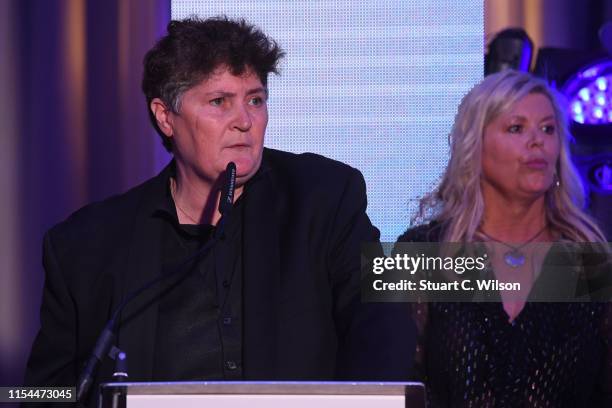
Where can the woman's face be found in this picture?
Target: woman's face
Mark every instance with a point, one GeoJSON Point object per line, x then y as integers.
{"type": "Point", "coordinates": [521, 149]}
{"type": "Point", "coordinates": [222, 119]}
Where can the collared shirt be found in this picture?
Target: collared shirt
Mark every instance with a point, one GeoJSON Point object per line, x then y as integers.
{"type": "Point", "coordinates": [199, 326]}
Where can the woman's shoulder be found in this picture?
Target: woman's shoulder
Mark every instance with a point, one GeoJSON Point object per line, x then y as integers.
{"type": "Point", "coordinates": [430, 232]}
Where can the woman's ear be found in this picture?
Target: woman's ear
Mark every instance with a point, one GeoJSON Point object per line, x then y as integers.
{"type": "Point", "coordinates": [162, 115]}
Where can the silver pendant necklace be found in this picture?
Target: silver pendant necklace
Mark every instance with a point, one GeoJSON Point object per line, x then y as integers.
{"type": "Point", "coordinates": [514, 257]}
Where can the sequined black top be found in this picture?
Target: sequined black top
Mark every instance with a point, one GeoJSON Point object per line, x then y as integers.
{"type": "Point", "coordinates": [551, 355]}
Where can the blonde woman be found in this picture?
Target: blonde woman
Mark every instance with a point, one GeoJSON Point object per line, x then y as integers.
{"type": "Point", "coordinates": [510, 180]}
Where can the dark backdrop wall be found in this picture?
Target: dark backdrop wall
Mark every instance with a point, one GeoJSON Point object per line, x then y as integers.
{"type": "Point", "coordinates": [74, 130]}
{"type": "Point", "coordinates": [74, 127]}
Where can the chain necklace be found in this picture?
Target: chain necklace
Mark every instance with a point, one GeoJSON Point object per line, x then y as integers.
{"type": "Point", "coordinates": [173, 194]}
{"type": "Point", "coordinates": [514, 257]}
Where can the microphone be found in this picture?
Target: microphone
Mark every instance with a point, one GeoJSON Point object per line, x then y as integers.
{"type": "Point", "coordinates": [227, 194]}
{"type": "Point", "coordinates": [226, 201]}
{"type": "Point", "coordinates": [107, 337]}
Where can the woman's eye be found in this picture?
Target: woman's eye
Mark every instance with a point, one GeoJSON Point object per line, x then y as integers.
{"type": "Point", "coordinates": [549, 129]}
{"type": "Point", "coordinates": [515, 129]}
{"type": "Point", "coordinates": [216, 101]}
{"type": "Point", "coordinates": [256, 101]}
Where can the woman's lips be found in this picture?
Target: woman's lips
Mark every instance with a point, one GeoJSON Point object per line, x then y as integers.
{"type": "Point", "coordinates": [239, 146]}
{"type": "Point", "coordinates": [536, 164]}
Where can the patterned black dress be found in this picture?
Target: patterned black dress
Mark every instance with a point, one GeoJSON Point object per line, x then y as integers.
{"type": "Point", "coordinates": [551, 355]}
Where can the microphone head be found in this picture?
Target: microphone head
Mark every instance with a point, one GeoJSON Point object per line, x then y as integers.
{"type": "Point", "coordinates": [231, 168]}
{"type": "Point", "coordinates": [227, 197]}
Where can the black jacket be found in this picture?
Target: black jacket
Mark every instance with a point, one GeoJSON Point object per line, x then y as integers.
{"type": "Point", "coordinates": [304, 220]}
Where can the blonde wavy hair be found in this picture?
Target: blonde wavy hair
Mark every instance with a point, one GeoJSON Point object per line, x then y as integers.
{"type": "Point", "coordinates": [458, 204]}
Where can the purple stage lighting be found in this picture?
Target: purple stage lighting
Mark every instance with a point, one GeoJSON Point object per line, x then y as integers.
{"type": "Point", "coordinates": [590, 94]}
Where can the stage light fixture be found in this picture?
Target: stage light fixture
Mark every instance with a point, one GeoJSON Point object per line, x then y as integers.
{"type": "Point", "coordinates": [585, 77]}
{"type": "Point", "coordinates": [511, 48]}
{"type": "Point", "coordinates": [590, 94]}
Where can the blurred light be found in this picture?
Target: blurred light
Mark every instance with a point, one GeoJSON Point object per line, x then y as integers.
{"type": "Point", "coordinates": [598, 113]}
{"type": "Point", "coordinates": [589, 72]}
{"type": "Point", "coordinates": [602, 83]}
{"type": "Point", "coordinates": [588, 92]}
{"type": "Point", "coordinates": [601, 99]}
{"type": "Point", "coordinates": [585, 94]}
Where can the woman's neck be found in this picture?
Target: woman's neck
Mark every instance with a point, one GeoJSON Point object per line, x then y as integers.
{"type": "Point", "coordinates": [197, 199]}
{"type": "Point", "coordinates": [514, 220]}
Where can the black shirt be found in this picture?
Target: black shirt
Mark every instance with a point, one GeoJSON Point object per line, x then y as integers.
{"type": "Point", "coordinates": [199, 326]}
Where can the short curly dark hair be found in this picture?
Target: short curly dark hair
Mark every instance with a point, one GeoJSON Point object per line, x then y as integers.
{"type": "Point", "coordinates": [194, 48]}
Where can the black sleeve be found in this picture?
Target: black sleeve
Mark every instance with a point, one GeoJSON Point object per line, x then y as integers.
{"type": "Point", "coordinates": [376, 340]}
{"type": "Point", "coordinates": [53, 359]}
